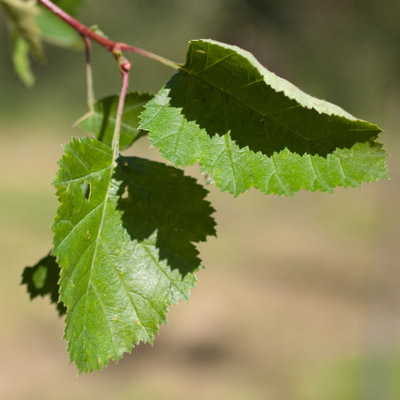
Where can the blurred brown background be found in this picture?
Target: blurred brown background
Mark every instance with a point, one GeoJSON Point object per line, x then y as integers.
{"type": "Point", "coordinates": [299, 299]}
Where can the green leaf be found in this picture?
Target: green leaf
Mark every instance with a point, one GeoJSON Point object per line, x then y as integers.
{"type": "Point", "coordinates": [42, 280]}
{"type": "Point", "coordinates": [69, 6]}
{"type": "Point", "coordinates": [161, 199]}
{"type": "Point", "coordinates": [101, 122]}
{"type": "Point", "coordinates": [95, 28]}
{"type": "Point", "coordinates": [247, 127]}
{"type": "Point", "coordinates": [21, 16]}
{"type": "Point", "coordinates": [25, 34]}
{"type": "Point", "coordinates": [21, 62]}
{"type": "Point", "coordinates": [57, 32]}
{"type": "Point", "coordinates": [30, 24]}
{"type": "Point", "coordinates": [123, 237]}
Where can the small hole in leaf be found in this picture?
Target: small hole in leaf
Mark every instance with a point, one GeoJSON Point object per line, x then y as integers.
{"type": "Point", "coordinates": [86, 189]}
{"type": "Point", "coordinates": [209, 180]}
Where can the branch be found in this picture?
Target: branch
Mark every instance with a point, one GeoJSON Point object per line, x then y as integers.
{"type": "Point", "coordinates": [108, 44]}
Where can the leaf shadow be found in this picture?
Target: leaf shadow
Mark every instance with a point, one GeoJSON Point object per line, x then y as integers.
{"type": "Point", "coordinates": [42, 280]}
{"type": "Point", "coordinates": [260, 118]}
{"type": "Point", "coordinates": [154, 197]}
{"type": "Point", "coordinates": [101, 122]}
{"type": "Point", "coordinates": [108, 107]}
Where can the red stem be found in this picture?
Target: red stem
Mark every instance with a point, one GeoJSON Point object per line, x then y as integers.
{"type": "Point", "coordinates": [78, 26]}
{"type": "Point", "coordinates": [110, 45]}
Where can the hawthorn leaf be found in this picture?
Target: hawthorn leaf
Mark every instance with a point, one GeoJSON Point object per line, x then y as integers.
{"type": "Point", "coordinates": [101, 122]}
{"type": "Point", "coordinates": [42, 280]}
{"type": "Point", "coordinates": [160, 198]}
{"type": "Point", "coordinates": [247, 127]}
{"type": "Point", "coordinates": [124, 246]}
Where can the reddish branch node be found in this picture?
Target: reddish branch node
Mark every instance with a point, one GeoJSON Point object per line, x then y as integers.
{"type": "Point", "coordinates": [126, 66]}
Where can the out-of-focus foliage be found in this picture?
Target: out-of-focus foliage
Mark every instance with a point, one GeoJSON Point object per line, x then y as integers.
{"type": "Point", "coordinates": [30, 25]}
{"type": "Point", "coordinates": [26, 35]}
{"type": "Point", "coordinates": [56, 31]}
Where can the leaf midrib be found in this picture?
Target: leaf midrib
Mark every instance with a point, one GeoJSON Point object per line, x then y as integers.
{"type": "Point", "coordinates": [97, 240]}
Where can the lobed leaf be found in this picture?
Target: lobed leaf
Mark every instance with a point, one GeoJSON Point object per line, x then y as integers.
{"type": "Point", "coordinates": [247, 127]}
{"type": "Point", "coordinates": [101, 122]}
{"type": "Point", "coordinates": [123, 237]}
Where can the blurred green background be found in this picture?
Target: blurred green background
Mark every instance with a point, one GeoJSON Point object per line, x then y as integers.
{"type": "Point", "coordinates": [300, 297]}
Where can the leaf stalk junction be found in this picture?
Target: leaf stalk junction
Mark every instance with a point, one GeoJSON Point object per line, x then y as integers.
{"type": "Point", "coordinates": [116, 49]}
